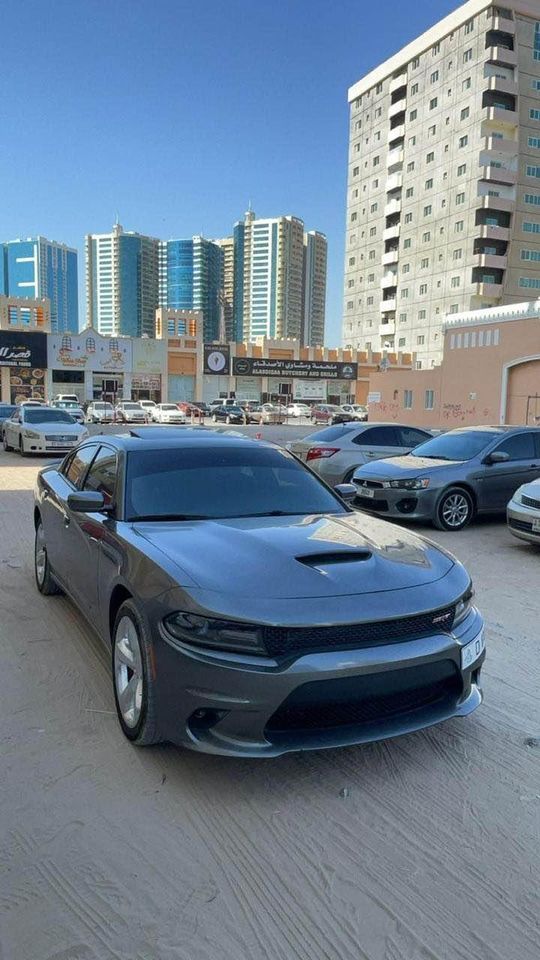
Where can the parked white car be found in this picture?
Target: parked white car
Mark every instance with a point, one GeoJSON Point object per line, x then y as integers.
{"type": "Point", "coordinates": [168, 413]}
{"type": "Point", "coordinates": [357, 411]}
{"type": "Point", "coordinates": [148, 406]}
{"type": "Point", "coordinates": [70, 406]}
{"type": "Point", "coordinates": [42, 429]}
{"type": "Point", "coordinates": [127, 411]}
{"type": "Point", "coordinates": [298, 410]}
{"type": "Point", "coordinates": [100, 412]}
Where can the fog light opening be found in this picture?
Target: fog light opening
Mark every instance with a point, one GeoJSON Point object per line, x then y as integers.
{"type": "Point", "coordinates": [205, 718]}
{"type": "Point", "coordinates": [407, 505]}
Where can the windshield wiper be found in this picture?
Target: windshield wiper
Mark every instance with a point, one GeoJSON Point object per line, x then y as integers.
{"type": "Point", "coordinates": [427, 456]}
{"type": "Point", "coordinates": [171, 516]}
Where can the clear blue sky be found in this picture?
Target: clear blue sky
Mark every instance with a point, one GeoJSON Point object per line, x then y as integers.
{"type": "Point", "coordinates": [176, 113]}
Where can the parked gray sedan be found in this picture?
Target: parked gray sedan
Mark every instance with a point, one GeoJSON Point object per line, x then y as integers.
{"type": "Point", "coordinates": [452, 477]}
{"type": "Point", "coordinates": [248, 609]}
{"type": "Point", "coordinates": [523, 513]}
{"type": "Point", "coordinates": [335, 452]}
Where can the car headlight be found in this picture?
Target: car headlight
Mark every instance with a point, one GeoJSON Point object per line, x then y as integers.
{"type": "Point", "coordinates": [418, 483]}
{"type": "Point", "coordinates": [463, 607]}
{"type": "Point", "coordinates": [216, 634]}
{"type": "Point", "coordinates": [31, 435]}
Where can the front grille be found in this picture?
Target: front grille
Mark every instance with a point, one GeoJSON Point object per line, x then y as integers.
{"type": "Point", "coordinates": [58, 438]}
{"type": "Point", "coordinates": [282, 641]}
{"type": "Point", "coordinates": [369, 503]}
{"type": "Point", "coordinates": [353, 701]}
{"type": "Point", "coordinates": [523, 526]}
{"type": "Point", "coordinates": [373, 484]}
{"type": "Point", "coordinates": [530, 502]}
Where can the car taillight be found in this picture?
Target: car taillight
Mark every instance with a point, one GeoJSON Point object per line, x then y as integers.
{"type": "Point", "coordinates": [319, 453]}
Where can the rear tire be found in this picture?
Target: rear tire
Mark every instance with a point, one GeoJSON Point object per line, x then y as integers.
{"type": "Point", "coordinates": [454, 510]}
{"type": "Point", "coordinates": [45, 581]}
{"type": "Point", "coordinates": [133, 683]}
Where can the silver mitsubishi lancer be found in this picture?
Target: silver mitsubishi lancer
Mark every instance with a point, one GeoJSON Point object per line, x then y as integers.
{"type": "Point", "coordinates": [248, 610]}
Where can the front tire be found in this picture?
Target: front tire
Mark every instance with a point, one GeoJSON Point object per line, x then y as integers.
{"type": "Point", "coordinates": [214, 418]}
{"type": "Point", "coordinates": [45, 581]}
{"type": "Point", "coordinates": [134, 687]}
{"type": "Point", "coordinates": [22, 451]}
{"type": "Point", "coordinates": [455, 510]}
{"type": "Point", "coordinates": [5, 444]}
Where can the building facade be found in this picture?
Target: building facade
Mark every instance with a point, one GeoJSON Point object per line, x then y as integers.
{"type": "Point", "coordinates": [227, 288]}
{"type": "Point", "coordinates": [443, 189]}
{"type": "Point", "coordinates": [122, 282]}
{"type": "Point", "coordinates": [279, 280]}
{"type": "Point", "coordinates": [490, 373]}
{"type": "Point", "coordinates": [191, 278]}
{"type": "Point", "coordinates": [39, 268]}
{"type": "Point", "coordinates": [314, 289]}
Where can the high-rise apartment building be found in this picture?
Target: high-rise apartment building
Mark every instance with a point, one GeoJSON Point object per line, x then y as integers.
{"type": "Point", "coordinates": [191, 278]}
{"type": "Point", "coordinates": [227, 287]}
{"type": "Point", "coordinates": [38, 268]}
{"type": "Point", "coordinates": [122, 282]}
{"type": "Point", "coordinates": [443, 196]}
{"type": "Point", "coordinates": [314, 288]}
{"type": "Point", "coordinates": [269, 298]}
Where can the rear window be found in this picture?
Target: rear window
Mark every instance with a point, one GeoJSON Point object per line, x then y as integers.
{"type": "Point", "coordinates": [332, 433]}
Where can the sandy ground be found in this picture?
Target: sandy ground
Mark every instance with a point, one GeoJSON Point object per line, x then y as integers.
{"type": "Point", "coordinates": [423, 848]}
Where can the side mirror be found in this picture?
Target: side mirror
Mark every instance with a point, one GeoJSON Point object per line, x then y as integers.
{"type": "Point", "coordinates": [347, 491]}
{"type": "Point", "coordinates": [86, 501]}
{"type": "Point", "coordinates": [498, 456]}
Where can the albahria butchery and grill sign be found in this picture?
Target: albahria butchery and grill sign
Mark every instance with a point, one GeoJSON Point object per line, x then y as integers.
{"type": "Point", "coordinates": [299, 369]}
{"type": "Point", "coordinates": [18, 349]}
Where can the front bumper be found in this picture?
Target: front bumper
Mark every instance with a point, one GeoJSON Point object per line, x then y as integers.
{"type": "Point", "coordinates": [520, 522]}
{"type": "Point", "coordinates": [401, 504]}
{"type": "Point", "coordinates": [42, 446]}
{"type": "Point", "coordinates": [258, 707]}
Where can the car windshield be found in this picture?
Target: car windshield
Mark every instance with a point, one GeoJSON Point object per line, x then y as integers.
{"type": "Point", "coordinates": [67, 405]}
{"type": "Point", "coordinates": [216, 482]}
{"type": "Point", "coordinates": [31, 415]}
{"type": "Point", "coordinates": [169, 406]}
{"type": "Point", "coordinates": [130, 406]}
{"type": "Point", "coordinates": [331, 433]}
{"type": "Point", "coordinates": [103, 406]}
{"type": "Point", "coordinates": [460, 446]}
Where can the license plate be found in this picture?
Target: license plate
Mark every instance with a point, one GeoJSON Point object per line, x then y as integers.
{"type": "Point", "coordinates": [367, 492]}
{"type": "Point", "coordinates": [536, 526]}
{"type": "Point", "coordinates": [473, 650]}
{"type": "Point", "coordinates": [61, 443]}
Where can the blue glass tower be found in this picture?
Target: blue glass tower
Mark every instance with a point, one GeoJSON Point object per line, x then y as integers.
{"type": "Point", "coordinates": [191, 279]}
{"type": "Point", "coordinates": [38, 267]}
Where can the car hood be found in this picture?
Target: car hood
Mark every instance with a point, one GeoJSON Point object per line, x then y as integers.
{"type": "Point", "coordinates": [55, 427]}
{"type": "Point", "coordinates": [397, 467]}
{"type": "Point", "coordinates": [294, 557]}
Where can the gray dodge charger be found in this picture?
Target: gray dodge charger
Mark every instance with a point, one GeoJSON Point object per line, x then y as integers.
{"type": "Point", "coordinates": [248, 609]}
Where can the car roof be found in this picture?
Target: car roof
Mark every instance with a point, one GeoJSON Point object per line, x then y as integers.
{"type": "Point", "coordinates": [158, 438]}
{"type": "Point", "coordinates": [493, 428]}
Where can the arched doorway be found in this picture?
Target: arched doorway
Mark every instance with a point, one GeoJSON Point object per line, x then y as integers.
{"type": "Point", "coordinates": [520, 388]}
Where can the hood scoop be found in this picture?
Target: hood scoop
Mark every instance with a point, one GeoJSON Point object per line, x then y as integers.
{"type": "Point", "coordinates": [334, 558]}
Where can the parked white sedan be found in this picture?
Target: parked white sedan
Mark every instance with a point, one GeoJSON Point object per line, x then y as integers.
{"type": "Point", "coordinates": [168, 413]}
{"type": "Point", "coordinates": [42, 429]}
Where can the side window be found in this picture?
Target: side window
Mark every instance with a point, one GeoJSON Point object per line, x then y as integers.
{"type": "Point", "coordinates": [378, 437]}
{"type": "Point", "coordinates": [102, 474]}
{"type": "Point", "coordinates": [519, 447]}
{"type": "Point", "coordinates": [75, 467]}
{"type": "Point", "coordinates": [409, 437]}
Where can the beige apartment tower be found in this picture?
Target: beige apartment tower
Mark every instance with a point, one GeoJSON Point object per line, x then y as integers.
{"type": "Point", "coordinates": [227, 288]}
{"type": "Point", "coordinates": [443, 198]}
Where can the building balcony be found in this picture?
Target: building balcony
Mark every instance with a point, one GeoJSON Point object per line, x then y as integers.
{"type": "Point", "coordinates": [507, 118]}
{"type": "Point", "coordinates": [394, 159]}
{"type": "Point", "coordinates": [490, 260]}
{"type": "Point", "coordinates": [397, 82]}
{"type": "Point", "coordinates": [389, 280]}
{"type": "Point", "coordinates": [397, 133]}
{"type": "Point", "coordinates": [391, 256]}
{"type": "Point", "coordinates": [388, 306]}
{"type": "Point", "coordinates": [496, 203]}
{"type": "Point", "coordinates": [391, 233]}
{"type": "Point", "coordinates": [498, 85]}
{"type": "Point", "coordinates": [394, 182]}
{"type": "Point", "coordinates": [487, 289]}
{"type": "Point", "coordinates": [397, 107]}
{"type": "Point", "coordinates": [494, 233]}
{"type": "Point", "coordinates": [387, 329]}
{"type": "Point", "coordinates": [507, 58]}
{"type": "Point", "coordinates": [498, 175]}
{"type": "Point", "coordinates": [505, 145]}
{"type": "Point", "coordinates": [502, 24]}
{"type": "Point", "coordinates": [393, 206]}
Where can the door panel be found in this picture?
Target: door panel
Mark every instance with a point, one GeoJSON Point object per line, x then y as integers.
{"type": "Point", "coordinates": [376, 443]}
{"type": "Point", "coordinates": [501, 480]}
